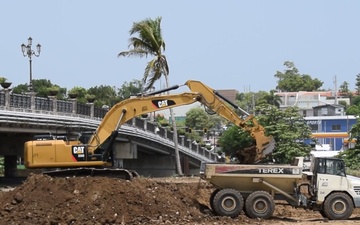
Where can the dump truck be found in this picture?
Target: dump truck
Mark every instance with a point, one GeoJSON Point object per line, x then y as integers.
{"type": "Point", "coordinates": [255, 189]}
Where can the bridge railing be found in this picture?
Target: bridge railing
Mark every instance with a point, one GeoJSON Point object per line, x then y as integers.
{"type": "Point", "coordinates": [30, 103]}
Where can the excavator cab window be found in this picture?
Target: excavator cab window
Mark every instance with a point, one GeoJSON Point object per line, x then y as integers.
{"type": "Point", "coordinates": [43, 137]}
{"type": "Point", "coordinates": [85, 136]}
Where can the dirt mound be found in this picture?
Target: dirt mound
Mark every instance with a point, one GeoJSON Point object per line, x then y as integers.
{"type": "Point", "coordinates": [100, 200]}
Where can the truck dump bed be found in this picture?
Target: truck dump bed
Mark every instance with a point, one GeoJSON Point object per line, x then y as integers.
{"type": "Point", "coordinates": [248, 178]}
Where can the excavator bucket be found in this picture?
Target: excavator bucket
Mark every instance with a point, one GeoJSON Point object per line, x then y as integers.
{"type": "Point", "coordinates": [264, 146]}
{"type": "Point", "coordinates": [268, 148]}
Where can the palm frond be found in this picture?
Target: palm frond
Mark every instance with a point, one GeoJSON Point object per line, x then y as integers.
{"type": "Point", "coordinates": [165, 65]}
{"type": "Point", "coordinates": [137, 43]}
{"type": "Point", "coordinates": [152, 73]}
{"type": "Point", "coordinates": [148, 70]}
{"type": "Point", "coordinates": [134, 52]}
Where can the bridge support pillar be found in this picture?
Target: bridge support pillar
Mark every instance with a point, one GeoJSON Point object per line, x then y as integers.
{"type": "Point", "coordinates": [32, 100]}
{"type": "Point", "coordinates": [91, 109]}
{"type": "Point", "coordinates": [182, 137]}
{"type": "Point", "coordinates": [73, 101]}
{"type": "Point", "coordinates": [7, 98]}
{"type": "Point", "coordinates": [145, 124]}
{"type": "Point", "coordinates": [133, 122]}
{"type": "Point", "coordinates": [54, 103]}
{"type": "Point", "coordinates": [10, 165]}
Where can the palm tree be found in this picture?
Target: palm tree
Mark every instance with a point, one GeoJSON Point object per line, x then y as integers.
{"type": "Point", "coordinates": [150, 42]}
{"type": "Point", "coordinates": [273, 99]}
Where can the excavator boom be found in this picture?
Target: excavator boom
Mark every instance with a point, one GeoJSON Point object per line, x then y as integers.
{"type": "Point", "coordinates": [207, 96]}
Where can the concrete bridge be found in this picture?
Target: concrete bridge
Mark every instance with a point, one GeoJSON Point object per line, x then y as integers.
{"type": "Point", "coordinates": [22, 116]}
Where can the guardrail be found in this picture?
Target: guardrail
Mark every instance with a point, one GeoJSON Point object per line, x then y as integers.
{"type": "Point", "coordinates": [24, 104]}
{"type": "Point", "coordinates": [30, 103]}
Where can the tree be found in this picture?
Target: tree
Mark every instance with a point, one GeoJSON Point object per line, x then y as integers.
{"type": "Point", "coordinates": [272, 99]}
{"type": "Point", "coordinates": [130, 88]}
{"type": "Point", "coordinates": [353, 110]}
{"type": "Point", "coordinates": [356, 101]}
{"type": "Point", "coordinates": [20, 89]}
{"type": "Point", "coordinates": [351, 156]}
{"type": "Point", "coordinates": [249, 101]}
{"type": "Point", "coordinates": [343, 103]}
{"type": "Point", "coordinates": [344, 88]}
{"type": "Point", "coordinates": [149, 42]}
{"type": "Point", "coordinates": [357, 83]}
{"type": "Point", "coordinates": [292, 81]}
{"type": "Point", "coordinates": [246, 101]}
{"type": "Point", "coordinates": [104, 95]}
{"type": "Point", "coordinates": [287, 127]}
{"type": "Point", "coordinates": [198, 119]}
{"type": "Point", "coordinates": [234, 139]}
{"type": "Point", "coordinates": [289, 130]}
{"type": "Point", "coordinates": [42, 88]}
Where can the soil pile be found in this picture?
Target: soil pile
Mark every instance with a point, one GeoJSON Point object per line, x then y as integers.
{"type": "Point", "coordinates": [100, 200]}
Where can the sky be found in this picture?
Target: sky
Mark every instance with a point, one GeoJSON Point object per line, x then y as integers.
{"type": "Point", "coordinates": [230, 44]}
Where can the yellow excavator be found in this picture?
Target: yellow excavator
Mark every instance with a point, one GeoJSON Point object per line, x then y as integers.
{"type": "Point", "coordinates": [90, 153]}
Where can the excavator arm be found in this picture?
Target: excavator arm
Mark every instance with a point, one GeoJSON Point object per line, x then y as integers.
{"type": "Point", "coordinates": [220, 105]}
{"type": "Point", "coordinates": [123, 111]}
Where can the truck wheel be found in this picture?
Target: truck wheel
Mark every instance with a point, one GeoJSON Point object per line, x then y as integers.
{"type": "Point", "coordinates": [212, 196]}
{"type": "Point", "coordinates": [228, 202]}
{"type": "Point", "coordinates": [322, 213]}
{"type": "Point", "coordinates": [338, 206]}
{"type": "Point", "coordinates": [259, 204]}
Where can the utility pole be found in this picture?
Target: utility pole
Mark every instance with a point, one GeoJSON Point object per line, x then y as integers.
{"type": "Point", "coordinates": [336, 91]}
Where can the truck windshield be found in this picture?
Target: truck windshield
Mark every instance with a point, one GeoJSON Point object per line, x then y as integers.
{"type": "Point", "coordinates": [331, 166]}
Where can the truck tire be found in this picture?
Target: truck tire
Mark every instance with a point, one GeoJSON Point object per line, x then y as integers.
{"type": "Point", "coordinates": [338, 206]}
{"type": "Point", "coordinates": [259, 204]}
{"type": "Point", "coordinates": [212, 196]}
{"type": "Point", "coordinates": [322, 213]}
{"type": "Point", "coordinates": [228, 202]}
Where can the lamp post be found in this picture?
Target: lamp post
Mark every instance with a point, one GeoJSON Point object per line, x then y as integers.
{"type": "Point", "coordinates": [27, 51]}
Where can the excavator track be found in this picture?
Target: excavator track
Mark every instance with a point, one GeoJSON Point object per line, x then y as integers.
{"type": "Point", "coordinates": [84, 171]}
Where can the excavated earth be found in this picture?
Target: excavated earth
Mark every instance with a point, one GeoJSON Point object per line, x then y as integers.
{"type": "Point", "coordinates": [100, 200]}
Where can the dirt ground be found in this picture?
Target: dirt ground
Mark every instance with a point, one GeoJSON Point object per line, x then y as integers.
{"type": "Point", "coordinates": [100, 200]}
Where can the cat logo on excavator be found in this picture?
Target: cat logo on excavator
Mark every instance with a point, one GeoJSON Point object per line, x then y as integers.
{"type": "Point", "coordinates": [161, 103]}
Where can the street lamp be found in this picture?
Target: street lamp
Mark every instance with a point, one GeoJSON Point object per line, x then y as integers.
{"type": "Point", "coordinates": [27, 51]}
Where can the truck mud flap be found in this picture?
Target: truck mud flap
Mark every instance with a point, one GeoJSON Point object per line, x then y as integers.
{"type": "Point", "coordinates": [104, 172]}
